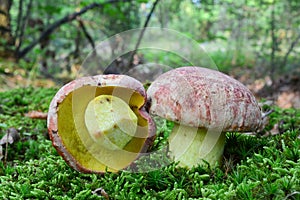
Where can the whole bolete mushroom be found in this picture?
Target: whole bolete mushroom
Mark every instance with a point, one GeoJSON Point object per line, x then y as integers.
{"type": "Point", "coordinates": [99, 123]}
{"type": "Point", "coordinates": [204, 104]}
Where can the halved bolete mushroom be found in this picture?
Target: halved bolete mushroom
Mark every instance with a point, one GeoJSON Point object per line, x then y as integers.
{"type": "Point", "coordinates": [99, 123]}
{"type": "Point", "coordinates": [204, 104]}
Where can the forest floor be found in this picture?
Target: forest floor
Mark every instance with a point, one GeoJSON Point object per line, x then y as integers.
{"type": "Point", "coordinates": [265, 165]}
{"type": "Point", "coordinates": [261, 166]}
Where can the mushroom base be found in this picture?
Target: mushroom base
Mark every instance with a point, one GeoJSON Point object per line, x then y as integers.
{"type": "Point", "coordinates": [195, 146]}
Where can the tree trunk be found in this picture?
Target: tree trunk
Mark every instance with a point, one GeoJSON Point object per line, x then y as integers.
{"type": "Point", "coordinates": [6, 39]}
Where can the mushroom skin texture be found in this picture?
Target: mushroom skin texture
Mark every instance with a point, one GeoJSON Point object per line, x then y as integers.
{"type": "Point", "coordinates": [69, 130]}
{"type": "Point", "coordinates": [204, 104]}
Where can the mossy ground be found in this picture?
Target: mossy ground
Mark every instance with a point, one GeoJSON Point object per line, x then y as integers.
{"type": "Point", "coordinates": [262, 167]}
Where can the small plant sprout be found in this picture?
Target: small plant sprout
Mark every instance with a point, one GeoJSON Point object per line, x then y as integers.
{"type": "Point", "coordinates": [204, 104]}
{"type": "Point", "coordinates": [99, 123]}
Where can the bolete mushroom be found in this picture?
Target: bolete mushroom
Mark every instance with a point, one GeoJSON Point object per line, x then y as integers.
{"type": "Point", "coordinates": [204, 104]}
{"type": "Point", "coordinates": [99, 123]}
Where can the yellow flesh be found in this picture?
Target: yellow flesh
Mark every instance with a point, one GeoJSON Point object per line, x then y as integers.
{"type": "Point", "coordinates": [110, 121]}
{"type": "Point", "coordinates": [76, 137]}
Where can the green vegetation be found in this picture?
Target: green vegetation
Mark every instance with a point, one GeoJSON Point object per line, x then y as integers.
{"type": "Point", "coordinates": [254, 167]}
{"type": "Point", "coordinates": [261, 34]}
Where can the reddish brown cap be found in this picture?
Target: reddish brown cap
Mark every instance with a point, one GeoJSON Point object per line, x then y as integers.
{"type": "Point", "coordinates": [201, 97]}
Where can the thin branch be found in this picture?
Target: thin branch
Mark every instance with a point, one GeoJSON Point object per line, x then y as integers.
{"type": "Point", "coordinates": [86, 33]}
{"type": "Point", "coordinates": [6, 149]}
{"type": "Point", "coordinates": [65, 19]}
{"type": "Point", "coordinates": [3, 13]}
{"type": "Point", "coordinates": [4, 29]}
{"type": "Point", "coordinates": [293, 44]}
{"type": "Point", "coordinates": [19, 20]}
{"type": "Point", "coordinates": [274, 40]}
{"type": "Point", "coordinates": [23, 26]}
{"type": "Point", "coordinates": [142, 34]}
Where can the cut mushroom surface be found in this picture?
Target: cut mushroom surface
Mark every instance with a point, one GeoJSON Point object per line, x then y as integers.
{"type": "Point", "coordinates": [77, 120]}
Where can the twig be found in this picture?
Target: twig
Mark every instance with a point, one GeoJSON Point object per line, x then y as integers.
{"type": "Point", "coordinates": [293, 44]}
{"type": "Point", "coordinates": [4, 29]}
{"type": "Point", "coordinates": [6, 149]}
{"type": "Point", "coordinates": [19, 23]}
{"type": "Point", "coordinates": [274, 41]}
{"type": "Point", "coordinates": [265, 114]}
{"type": "Point", "coordinates": [2, 12]}
{"type": "Point", "coordinates": [58, 23]}
{"type": "Point", "coordinates": [85, 32]}
{"type": "Point", "coordinates": [142, 34]}
{"type": "Point", "coordinates": [101, 192]}
{"type": "Point", "coordinates": [23, 25]}
{"type": "Point", "coordinates": [291, 194]}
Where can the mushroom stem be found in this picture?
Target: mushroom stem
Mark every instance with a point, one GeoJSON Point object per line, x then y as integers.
{"type": "Point", "coordinates": [110, 121]}
{"type": "Point", "coordinates": [191, 146]}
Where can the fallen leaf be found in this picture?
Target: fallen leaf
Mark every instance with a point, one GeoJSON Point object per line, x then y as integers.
{"type": "Point", "coordinates": [284, 99]}
{"type": "Point", "coordinates": [36, 115]}
{"type": "Point", "coordinates": [267, 103]}
{"type": "Point", "coordinates": [275, 130]}
{"type": "Point", "coordinates": [101, 192]}
{"type": "Point", "coordinates": [259, 84]}
{"type": "Point", "coordinates": [11, 136]}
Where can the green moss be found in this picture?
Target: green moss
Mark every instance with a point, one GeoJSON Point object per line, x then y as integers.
{"type": "Point", "coordinates": [262, 167]}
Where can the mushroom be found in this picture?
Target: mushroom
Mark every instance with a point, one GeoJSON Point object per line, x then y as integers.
{"type": "Point", "coordinates": [99, 123]}
{"type": "Point", "coordinates": [204, 104]}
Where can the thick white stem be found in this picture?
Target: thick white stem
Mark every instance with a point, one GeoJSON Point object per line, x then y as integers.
{"type": "Point", "coordinates": [190, 146]}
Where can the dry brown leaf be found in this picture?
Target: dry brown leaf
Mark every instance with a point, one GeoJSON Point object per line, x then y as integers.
{"type": "Point", "coordinates": [101, 192]}
{"type": "Point", "coordinates": [288, 99]}
{"type": "Point", "coordinates": [10, 137]}
{"type": "Point", "coordinates": [36, 115]}
{"type": "Point", "coordinates": [259, 84]}
{"type": "Point", "coordinates": [274, 130]}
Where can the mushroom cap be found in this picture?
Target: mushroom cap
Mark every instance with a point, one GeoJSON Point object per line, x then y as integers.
{"type": "Point", "coordinates": [66, 122]}
{"type": "Point", "coordinates": [204, 98]}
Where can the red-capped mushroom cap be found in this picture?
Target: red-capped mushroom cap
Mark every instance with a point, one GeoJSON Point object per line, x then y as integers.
{"type": "Point", "coordinates": [201, 97]}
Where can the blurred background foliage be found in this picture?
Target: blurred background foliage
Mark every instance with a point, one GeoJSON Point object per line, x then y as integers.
{"type": "Point", "coordinates": [257, 37]}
